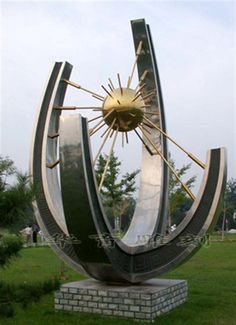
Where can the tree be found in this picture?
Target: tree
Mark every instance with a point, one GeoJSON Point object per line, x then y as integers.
{"type": "Point", "coordinates": [7, 168]}
{"type": "Point", "coordinates": [14, 202]}
{"type": "Point", "coordinates": [116, 191]}
{"type": "Point", "coordinates": [179, 201]}
{"type": "Point", "coordinates": [226, 219]}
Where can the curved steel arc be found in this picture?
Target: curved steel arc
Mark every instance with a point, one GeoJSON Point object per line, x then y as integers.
{"type": "Point", "coordinates": [48, 205]}
{"type": "Point", "coordinates": [124, 262]}
{"type": "Point", "coordinates": [153, 189]}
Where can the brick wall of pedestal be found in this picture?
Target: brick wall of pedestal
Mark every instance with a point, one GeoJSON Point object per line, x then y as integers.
{"type": "Point", "coordinates": [144, 301]}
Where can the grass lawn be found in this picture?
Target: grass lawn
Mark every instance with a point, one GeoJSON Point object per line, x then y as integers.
{"type": "Point", "coordinates": [211, 276]}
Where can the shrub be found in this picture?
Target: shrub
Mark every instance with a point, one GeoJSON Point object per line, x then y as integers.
{"type": "Point", "coordinates": [10, 245]}
{"type": "Point", "coordinates": [23, 294]}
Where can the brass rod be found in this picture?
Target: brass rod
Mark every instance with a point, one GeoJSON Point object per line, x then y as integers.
{"type": "Point", "coordinates": [118, 101]}
{"type": "Point", "coordinates": [190, 155]}
{"type": "Point", "coordinates": [131, 114]}
{"type": "Point", "coordinates": [139, 49]}
{"type": "Point", "coordinates": [111, 126]}
{"type": "Point", "coordinates": [123, 139]}
{"type": "Point", "coordinates": [170, 167]}
{"type": "Point", "coordinates": [92, 132]}
{"type": "Point", "coordinates": [111, 83]}
{"type": "Point", "coordinates": [73, 84]}
{"type": "Point", "coordinates": [149, 94]}
{"type": "Point", "coordinates": [96, 125]}
{"type": "Point", "coordinates": [143, 127]}
{"type": "Point", "coordinates": [138, 52]}
{"type": "Point", "coordinates": [112, 133]}
{"type": "Point", "coordinates": [108, 114]}
{"type": "Point", "coordinates": [128, 82]}
{"type": "Point", "coordinates": [102, 145]}
{"type": "Point", "coordinates": [120, 86]}
{"type": "Point", "coordinates": [141, 79]}
{"type": "Point", "coordinates": [98, 98]}
{"type": "Point", "coordinates": [109, 94]}
{"type": "Point", "coordinates": [52, 136]}
{"type": "Point", "coordinates": [95, 118]}
{"type": "Point", "coordinates": [143, 75]}
{"type": "Point", "coordinates": [107, 129]}
{"type": "Point", "coordinates": [53, 164]}
{"type": "Point", "coordinates": [144, 143]}
{"type": "Point", "coordinates": [111, 89]}
{"type": "Point", "coordinates": [74, 107]}
{"type": "Point", "coordinates": [149, 125]}
{"type": "Point", "coordinates": [107, 162]}
{"type": "Point", "coordinates": [139, 89]}
{"type": "Point", "coordinates": [126, 137]}
{"type": "Point", "coordinates": [136, 97]}
{"type": "Point", "coordinates": [150, 113]}
{"type": "Point", "coordinates": [196, 160]}
{"type": "Point", "coordinates": [146, 105]}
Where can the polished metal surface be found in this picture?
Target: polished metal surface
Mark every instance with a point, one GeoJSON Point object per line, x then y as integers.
{"type": "Point", "coordinates": [68, 206]}
{"type": "Point", "coordinates": [152, 199]}
{"type": "Point", "coordinates": [48, 205]}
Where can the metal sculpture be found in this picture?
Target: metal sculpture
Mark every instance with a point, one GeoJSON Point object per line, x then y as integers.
{"type": "Point", "coordinates": [68, 201]}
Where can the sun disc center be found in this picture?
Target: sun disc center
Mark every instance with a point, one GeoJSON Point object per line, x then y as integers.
{"type": "Point", "coordinates": [123, 109]}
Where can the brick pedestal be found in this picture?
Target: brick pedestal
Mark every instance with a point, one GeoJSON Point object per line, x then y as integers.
{"type": "Point", "coordinates": [141, 302]}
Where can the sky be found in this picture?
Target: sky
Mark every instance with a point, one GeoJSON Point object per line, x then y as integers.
{"type": "Point", "coordinates": [195, 49]}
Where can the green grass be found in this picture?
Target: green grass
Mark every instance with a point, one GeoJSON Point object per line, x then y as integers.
{"type": "Point", "coordinates": [211, 276]}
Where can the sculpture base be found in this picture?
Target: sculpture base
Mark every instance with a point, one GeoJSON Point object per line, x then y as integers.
{"type": "Point", "coordinates": [144, 301]}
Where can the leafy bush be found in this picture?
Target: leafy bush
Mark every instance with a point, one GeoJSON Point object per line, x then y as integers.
{"type": "Point", "coordinates": [10, 245]}
{"type": "Point", "coordinates": [15, 200]}
{"type": "Point", "coordinates": [23, 294]}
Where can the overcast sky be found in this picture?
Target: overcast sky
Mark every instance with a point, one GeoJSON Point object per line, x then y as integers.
{"type": "Point", "coordinates": [194, 43]}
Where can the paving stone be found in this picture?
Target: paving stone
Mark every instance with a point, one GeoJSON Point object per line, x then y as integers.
{"type": "Point", "coordinates": [83, 303]}
{"type": "Point", "coordinates": [67, 296]}
{"type": "Point", "coordinates": [58, 294]}
{"type": "Point", "coordinates": [63, 301]}
{"type": "Point", "coordinates": [123, 307]}
{"type": "Point", "coordinates": [87, 310]}
{"type": "Point", "coordinates": [107, 299]}
{"type": "Point", "coordinates": [112, 306]}
{"type": "Point", "coordinates": [92, 304]}
{"type": "Point", "coordinates": [134, 295]}
{"type": "Point", "coordinates": [107, 312]}
{"type": "Point", "coordinates": [134, 308]}
{"type": "Point", "coordinates": [95, 298]}
{"type": "Point", "coordinates": [118, 313]}
{"type": "Point", "coordinates": [129, 314]}
{"type": "Point", "coordinates": [73, 302]}
{"type": "Point", "coordinates": [129, 301]}
{"type": "Point", "coordinates": [103, 293]}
